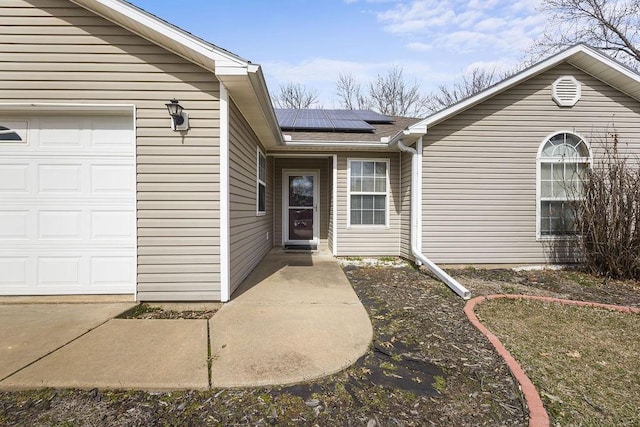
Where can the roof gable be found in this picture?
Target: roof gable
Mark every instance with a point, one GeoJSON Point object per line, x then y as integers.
{"type": "Point", "coordinates": [244, 80]}
{"type": "Point", "coordinates": [580, 56]}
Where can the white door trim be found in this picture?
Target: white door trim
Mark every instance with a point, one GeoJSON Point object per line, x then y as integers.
{"type": "Point", "coordinates": [286, 173]}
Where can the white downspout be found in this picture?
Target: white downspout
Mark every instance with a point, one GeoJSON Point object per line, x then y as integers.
{"type": "Point", "coordinates": [415, 229]}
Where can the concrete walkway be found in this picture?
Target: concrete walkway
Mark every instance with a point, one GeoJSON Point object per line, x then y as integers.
{"type": "Point", "coordinates": [295, 318]}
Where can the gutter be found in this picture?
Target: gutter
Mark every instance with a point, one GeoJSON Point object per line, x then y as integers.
{"type": "Point", "coordinates": [416, 176]}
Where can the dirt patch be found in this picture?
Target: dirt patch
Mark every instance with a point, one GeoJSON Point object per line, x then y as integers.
{"type": "Point", "coordinates": [564, 283]}
{"type": "Point", "coordinates": [147, 311]}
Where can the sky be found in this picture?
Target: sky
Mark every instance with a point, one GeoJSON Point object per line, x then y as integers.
{"type": "Point", "coordinates": [311, 41]}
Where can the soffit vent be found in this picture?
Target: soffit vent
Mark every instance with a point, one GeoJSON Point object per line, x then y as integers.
{"type": "Point", "coordinates": [566, 91]}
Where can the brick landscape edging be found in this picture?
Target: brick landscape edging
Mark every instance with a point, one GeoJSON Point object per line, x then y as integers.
{"type": "Point", "coordinates": [538, 416]}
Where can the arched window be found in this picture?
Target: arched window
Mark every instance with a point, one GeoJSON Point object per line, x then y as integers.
{"type": "Point", "coordinates": [562, 162]}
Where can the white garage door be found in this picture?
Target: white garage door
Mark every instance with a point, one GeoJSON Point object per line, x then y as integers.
{"type": "Point", "coordinates": [67, 205]}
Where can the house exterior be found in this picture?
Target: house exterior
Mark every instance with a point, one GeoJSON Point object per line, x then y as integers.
{"type": "Point", "coordinates": [100, 195]}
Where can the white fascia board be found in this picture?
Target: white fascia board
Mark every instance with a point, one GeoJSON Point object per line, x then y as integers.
{"type": "Point", "coordinates": [337, 144]}
{"type": "Point", "coordinates": [229, 70]}
{"type": "Point", "coordinates": [120, 11]}
{"type": "Point", "coordinates": [259, 84]}
{"type": "Point", "coordinates": [520, 77]}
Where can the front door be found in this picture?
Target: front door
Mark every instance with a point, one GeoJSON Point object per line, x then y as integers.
{"type": "Point", "coordinates": [300, 207]}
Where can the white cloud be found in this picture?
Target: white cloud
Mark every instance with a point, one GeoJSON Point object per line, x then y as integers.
{"type": "Point", "coordinates": [420, 47]}
{"type": "Point", "coordinates": [465, 25]}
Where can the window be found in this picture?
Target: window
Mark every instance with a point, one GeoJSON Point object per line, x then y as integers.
{"type": "Point", "coordinates": [261, 184]}
{"type": "Point", "coordinates": [368, 184]}
{"type": "Point", "coordinates": [563, 161]}
{"type": "Point", "coordinates": [8, 135]}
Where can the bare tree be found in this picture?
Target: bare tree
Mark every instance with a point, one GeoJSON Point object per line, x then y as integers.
{"type": "Point", "coordinates": [349, 92]}
{"type": "Point", "coordinates": [612, 26]}
{"type": "Point", "coordinates": [391, 94]}
{"type": "Point", "coordinates": [472, 82]}
{"type": "Point", "coordinates": [295, 95]}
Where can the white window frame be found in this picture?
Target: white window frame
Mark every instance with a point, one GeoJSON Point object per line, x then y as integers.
{"type": "Point", "coordinates": [539, 161]}
{"type": "Point", "coordinates": [260, 155]}
{"type": "Point", "coordinates": [363, 193]}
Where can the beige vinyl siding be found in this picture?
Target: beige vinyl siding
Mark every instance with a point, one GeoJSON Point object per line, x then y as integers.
{"type": "Point", "coordinates": [479, 167]}
{"type": "Point", "coordinates": [369, 240]}
{"type": "Point", "coordinates": [405, 211]}
{"type": "Point", "coordinates": [250, 233]}
{"type": "Point", "coordinates": [313, 163]}
{"type": "Point", "coordinates": [52, 51]}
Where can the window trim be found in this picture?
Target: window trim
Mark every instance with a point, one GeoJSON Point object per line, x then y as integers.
{"type": "Point", "coordinates": [259, 182]}
{"type": "Point", "coordinates": [539, 161]}
{"type": "Point", "coordinates": [386, 193]}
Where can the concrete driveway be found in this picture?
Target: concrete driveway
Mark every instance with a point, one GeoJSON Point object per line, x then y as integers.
{"type": "Point", "coordinates": [295, 318]}
{"type": "Point", "coordinates": [83, 346]}
{"type": "Point", "coordinates": [29, 332]}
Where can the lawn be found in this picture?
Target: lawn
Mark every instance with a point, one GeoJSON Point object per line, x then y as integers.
{"type": "Point", "coordinates": [583, 360]}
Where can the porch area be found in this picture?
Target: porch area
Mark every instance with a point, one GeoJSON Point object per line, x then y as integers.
{"type": "Point", "coordinates": [294, 318]}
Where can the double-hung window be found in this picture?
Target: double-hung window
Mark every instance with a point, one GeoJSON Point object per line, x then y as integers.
{"type": "Point", "coordinates": [261, 183]}
{"type": "Point", "coordinates": [368, 192]}
{"type": "Point", "coordinates": [563, 161]}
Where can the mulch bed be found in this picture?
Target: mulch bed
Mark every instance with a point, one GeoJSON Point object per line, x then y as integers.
{"type": "Point", "coordinates": [427, 366]}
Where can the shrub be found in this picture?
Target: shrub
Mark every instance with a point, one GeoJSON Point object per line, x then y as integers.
{"type": "Point", "coordinates": [608, 215]}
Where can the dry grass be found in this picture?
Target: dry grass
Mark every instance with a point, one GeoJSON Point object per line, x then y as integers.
{"type": "Point", "coordinates": [583, 361]}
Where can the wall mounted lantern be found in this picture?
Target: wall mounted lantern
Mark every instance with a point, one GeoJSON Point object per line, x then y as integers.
{"type": "Point", "coordinates": [179, 117]}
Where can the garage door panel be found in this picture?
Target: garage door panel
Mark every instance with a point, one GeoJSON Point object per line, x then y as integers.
{"type": "Point", "coordinates": [14, 225]}
{"type": "Point", "coordinates": [112, 133]}
{"type": "Point", "coordinates": [110, 179]}
{"type": "Point", "coordinates": [60, 271]}
{"type": "Point", "coordinates": [14, 178]}
{"type": "Point", "coordinates": [67, 211]}
{"type": "Point", "coordinates": [113, 225]}
{"type": "Point", "coordinates": [59, 225]}
{"type": "Point", "coordinates": [13, 272]}
{"type": "Point", "coordinates": [60, 178]}
{"type": "Point", "coordinates": [60, 132]}
{"type": "Point", "coordinates": [115, 270]}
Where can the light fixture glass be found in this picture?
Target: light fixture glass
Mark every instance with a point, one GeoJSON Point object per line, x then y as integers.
{"type": "Point", "coordinates": [175, 110]}
{"type": "Point", "coordinates": [179, 117]}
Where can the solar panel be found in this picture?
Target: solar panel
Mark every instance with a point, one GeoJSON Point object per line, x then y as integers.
{"type": "Point", "coordinates": [342, 115]}
{"type": "Point", "coordinates": [352, 125]}
{"type": "Point", "coordinates": [286, 117]}
{"type": "Point", "coordinates": [372, 117]}
{"type": "Point", "coordinates": [326, 120]}
{"type": "Point", "coordinates": [311, 113]}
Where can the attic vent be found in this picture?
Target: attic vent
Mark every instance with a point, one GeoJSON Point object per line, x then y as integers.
{"type": "Point", "coordinates": [566, 91]}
